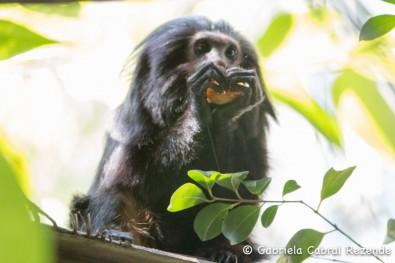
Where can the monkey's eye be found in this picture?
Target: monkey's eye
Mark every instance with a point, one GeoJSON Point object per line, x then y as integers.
{"type": "Point", "coordinates": [231, 52]}
{"type": "Point", "coordinates": [201, 47]}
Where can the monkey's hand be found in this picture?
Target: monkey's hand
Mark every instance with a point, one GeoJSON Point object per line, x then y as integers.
{"type": "Point", "coordinates": [241, 79]}
{"type": "Point", "coordinates": [207, 76]}
{"type": "Point", "coordinates": [247, 82]}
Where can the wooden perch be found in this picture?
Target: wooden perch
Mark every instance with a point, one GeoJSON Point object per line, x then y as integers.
{"type": "Point", "coordinates": [77, 248]}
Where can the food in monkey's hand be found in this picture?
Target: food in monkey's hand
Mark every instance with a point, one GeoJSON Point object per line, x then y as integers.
{"type": "Point", "coordinates": [225, 95]}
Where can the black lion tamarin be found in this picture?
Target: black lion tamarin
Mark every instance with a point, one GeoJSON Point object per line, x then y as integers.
{"type": "Point", "coordinates": [196, 101]}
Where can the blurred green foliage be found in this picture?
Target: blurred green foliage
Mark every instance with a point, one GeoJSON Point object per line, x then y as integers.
{"type": "Point", "coordinates": [390, 237]}
{"type": "Point", "coordinates": [16, 39]}
{"type": "Point", "coordinates": [324, 122]}
{"type": "Point", "coordinates": [389, 1]}
{"type": "Point", "coordinates": [275, 34]}
{"type": "Point", "coordinates": [21, 239]}
{"type": "Point", "coordinates": [380, 114]}
{"type": "Point", "coordinates": [71, 9]}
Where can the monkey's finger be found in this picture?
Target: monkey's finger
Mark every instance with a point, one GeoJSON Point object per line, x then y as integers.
{"type": "Point", "coordinates": [200, 87]}
{"type": "Point", "coordinates": [209, 79]}
{"type": "Point", "coordinates": [207, 70]}
{"type": "Point", "coordinates": [198, 73]}
{"type": "Point", "coordinates": [238, 72]}
{"type": "Point", "coordinates": [243, 82]}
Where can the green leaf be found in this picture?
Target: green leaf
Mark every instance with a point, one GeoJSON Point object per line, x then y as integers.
{"type": "Point", "coordinates": [325, 123]}
{"type": "Point", "coordinates": [18, 164]}
{"type": "Point", "coordinates": [377, 110]}
{"type": "Point", "coordinates": [306, 240]}
{"type": "Point", "coordinates": [290, 186]}
{"type": "Point", "coordinates": [377, 26]}
{"type": "Point", "coordinates": [16, 39]}
{"type": "Point", "coordinates": [334, 181]}
{"type": "Point", "coordinates": [239, 223]}
{"type": "Point", "coordinates": [389, 1]}
{"type": "Point", "coordinates": [275, 34]}
{"type": "Point", "coordinates": [71, 9]}
{"type": "Point", "coordinates": [204, 179]}
{"type": "Point", "coordinates": [257, 187]}
{"type": "Point", "coordinates": [268, 216]}
{"type": "Point", "coordinates": [231, 181]}
{"type": "Point", "coordinates": [186, 196]}
{"type": "Point", "coordinates": [284, 259]}
{"type": "Point", "coordinates": [390, 231]}
{"type": "Point", "coordinates": [21, 239]}
{"type": "Point", "coordinates": [208, 222]}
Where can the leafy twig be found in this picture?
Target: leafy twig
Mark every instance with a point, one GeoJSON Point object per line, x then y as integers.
{"type": "Point", "coordinates": [335, 227]}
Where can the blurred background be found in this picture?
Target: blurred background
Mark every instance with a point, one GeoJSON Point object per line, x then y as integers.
{"type": "Point", "coordinates": [334, 96]}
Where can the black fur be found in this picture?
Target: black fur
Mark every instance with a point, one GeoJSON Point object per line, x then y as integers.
{"type": "Point", "coordinates": [161, 132]}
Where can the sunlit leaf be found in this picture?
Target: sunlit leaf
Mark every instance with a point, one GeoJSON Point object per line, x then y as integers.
{"type": "Point", "coordinates": [284, 259]}
{"type": "Point", "coordinates": [71, 9]}
{"type": "Point", "coordinates": [18, 163]}
{"type": "Point", "coordinates": [325, 123]}
{"type": "Point", "coordinates": [334, 181]}
{"type": "Point", "coordinates": [208, 222]}
{"type": "Point", "coordinates": [21, 240]}
{"type": "Point", "coordinates": [268, 215]}
{"type": "Point", "coordinates": [186, 196]}
{"type": "Point", "coordinates": [306, 240]}
{"type": "Point", "coordinates": [290, 186]}
{"type": "Point", "coordinates": [239, 223]}
{"type": "Point", "coordinates": [319, 14]}
{"type": "Point", "coordinates": [389, 1]}
{"type": "Point", "coordinates": [232, 181]}
{"type": "Point", "coordinates": [16, 39]}
{"type": "Point", "coordinates": [377, 26]}
{"type": "Point", "coordinates": [390, 231]}
{"type": "Point", "coordinates": [205, 179]}
{"type": "Point", "coordinates": [257, 187]}
{"type": "Point", "coordinates": [375, 109]}
{"type": "Point", "coordinates": [275, 34]}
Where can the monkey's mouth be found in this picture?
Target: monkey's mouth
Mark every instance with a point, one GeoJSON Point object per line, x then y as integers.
{"type": "Point", "coordinates": [219, 95]}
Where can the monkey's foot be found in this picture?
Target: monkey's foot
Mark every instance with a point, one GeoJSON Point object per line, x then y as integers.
{"type": "Point", "coordinates": [223, 257]}
{"type": "Point", "coordinates": [113, 235]}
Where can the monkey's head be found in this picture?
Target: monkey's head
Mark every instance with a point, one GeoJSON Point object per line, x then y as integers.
{"type": "Point", "coordinates": [177, 50]}
{"type": "Point", "coordinates": [194, 41]}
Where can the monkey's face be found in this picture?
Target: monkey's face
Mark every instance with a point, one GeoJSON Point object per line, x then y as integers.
{"type": "Point", "coordinates": [225, 55]}
{"type": "Point", "coordinates": [214, 47]}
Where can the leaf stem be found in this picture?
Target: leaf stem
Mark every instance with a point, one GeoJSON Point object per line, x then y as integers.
{"type": "Point", "coordinates": [257, 201]}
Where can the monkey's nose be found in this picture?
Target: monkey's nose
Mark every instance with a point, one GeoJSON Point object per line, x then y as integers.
{"type": "Point", "coordinates": [220, 64]}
